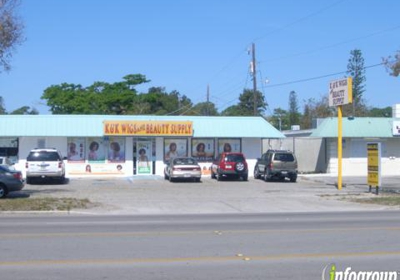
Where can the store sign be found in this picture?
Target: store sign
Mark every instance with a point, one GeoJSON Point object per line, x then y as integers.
{"type": "Point", "coordinates": [148, 128]}
{"type": "Point", "coordinates": [340, 92]}
{"type": "Point", "coordinates": [396, 128]}
{"type": "Point", "coordinates": [374, 164]}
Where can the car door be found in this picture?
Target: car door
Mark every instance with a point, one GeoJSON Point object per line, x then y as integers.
{"type": "Point", "coordinates": [262, 163]}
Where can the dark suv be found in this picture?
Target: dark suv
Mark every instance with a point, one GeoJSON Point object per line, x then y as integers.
{"type": "Point", "coordinates": [230, 165]}
{"type": "Point", "coordinates": [279, 164]}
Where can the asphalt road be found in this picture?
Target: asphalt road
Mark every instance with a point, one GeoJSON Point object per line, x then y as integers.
{"type": "Point", "coordinates": [216, 246]}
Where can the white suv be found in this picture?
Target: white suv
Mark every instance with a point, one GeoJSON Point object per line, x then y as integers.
{"type": "Point", "coordinates": [45, 163]}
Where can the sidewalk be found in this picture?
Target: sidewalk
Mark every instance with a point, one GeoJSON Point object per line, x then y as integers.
{"type": "Point", "coordinates": [389, 183]}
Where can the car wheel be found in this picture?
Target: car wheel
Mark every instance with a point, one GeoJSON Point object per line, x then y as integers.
{"type": "Point", "coordinates": [219, 176]}
{"type": "Point", "coordinates": [245, 177]}
{"type": "Point", "coordinates": [213, 175]}
{"type": "Point", "coordinates": [256, 173]}
{"type": "Point", "coordinates": [3, 191]}
{"type": "Point", "coordinates": [266, 179]}
{"type": "Point", "coordinates": [170, 178]}
{"type": "Point", "coordinates": [62, 179]}
{"type": "Point", "coordinates": [293, 179]}
{"type": "Point", "coordinates": [165, 176]}
{"type": "Point", "coordinates": [28, 180]}
{"type": "Point", "coordinates": [240, 166]}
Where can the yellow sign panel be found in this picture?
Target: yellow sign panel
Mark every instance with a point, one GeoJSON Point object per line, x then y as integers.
{"type": "Point", "coordinates": [374, 158]}
{"type": "Point", "coordinates": [148, 128]}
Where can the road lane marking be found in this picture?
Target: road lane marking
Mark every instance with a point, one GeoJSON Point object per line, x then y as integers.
{"type": "Point", "coordinates": [196, 259]}
{"type": "Point", "coordinates": [177, 233]}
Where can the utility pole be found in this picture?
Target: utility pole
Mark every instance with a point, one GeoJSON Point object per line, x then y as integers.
{"type": "Point", "coordinates": [253, 51]}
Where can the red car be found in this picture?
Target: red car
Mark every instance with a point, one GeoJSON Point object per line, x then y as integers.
{"type": "Point", "coordinates": [230, 165]}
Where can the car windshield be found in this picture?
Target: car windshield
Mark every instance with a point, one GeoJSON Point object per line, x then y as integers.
{"type": "Point", "coordinates": [185, 161]}
{"type": "Point", "coordinates": [234, 158]}
{"type": "Point", "coordinates": [284, 157]}
{"type": "Point", "coordinates": [43, 156]}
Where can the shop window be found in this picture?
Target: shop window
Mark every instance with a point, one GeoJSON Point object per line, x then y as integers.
{"type": "Point", "coordinates": [203, 149]}
{"type": "Point", "coordinates": [9, 148]}
{"type": "Point", "coordinates": [229, 145]}
{"type": "Point", "coordinates": [175, 147]}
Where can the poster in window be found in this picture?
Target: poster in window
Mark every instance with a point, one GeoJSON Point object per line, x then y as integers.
{"type": "Point", "coordinates": [203, 149]}
{"type": "Point", "coordinates": [76, 149]}
{"type": "Point", "coordinates": [229, 145]}
{"type": "Point", "coordinates": [175, 148]}
{"type": "Point", "coordinates": [143, 153]}
{"type": "Point", "coordinates": [116, 149]}
{"type": "Point", "coordinates": [96, 151]}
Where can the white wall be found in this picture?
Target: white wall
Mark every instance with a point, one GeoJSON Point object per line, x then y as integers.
{"type": "Point", "coordinates": [310, 152]}
{"type": "Point", "coordinates": [252, 149]}
{"type": "Point", "coordinates": [160, 156]}
{"type": "Point", "coordinates": [355, 161]}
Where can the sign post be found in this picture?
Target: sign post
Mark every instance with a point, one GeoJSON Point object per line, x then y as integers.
{"type": "Point", "coordinates": [374, 165]}
{"type": "Point", "coordinates": [340, 93]}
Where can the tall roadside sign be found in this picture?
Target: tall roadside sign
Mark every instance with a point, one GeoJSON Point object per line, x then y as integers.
{"type": "Point", "coordinates": [340, 93]}
{"type": "Point", "coordinates": [374, 165]}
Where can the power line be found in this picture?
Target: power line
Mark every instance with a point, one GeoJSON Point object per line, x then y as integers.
{"type": "Point", "coordinates": [300, 20]}
{"type": "Point", "coordinates": [333, 45]}
{"type": "Point", "coordinates": [317, 78]}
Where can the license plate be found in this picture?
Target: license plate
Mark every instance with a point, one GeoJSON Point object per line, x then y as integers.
{"type": "Point", "coordinates": [186, 175]}
{"type": "Point", "coordinates": [284, 172]}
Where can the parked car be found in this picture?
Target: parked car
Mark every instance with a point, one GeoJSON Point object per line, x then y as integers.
{"type": "Point", "coordinates": [45, 163]}
{"type": "Point", "coordinates": [276, 164]}
{"type": "Point", "coordinates": [5, 161]}
{"type": "Point", "coordinates": [230, 165]}
{"type": "Point", "coordinates": [10, 181]}
{"type": "Point", "coordinates": [182, 168]}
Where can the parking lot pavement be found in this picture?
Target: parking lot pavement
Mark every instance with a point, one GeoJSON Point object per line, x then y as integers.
{"type": "Point", "coordinates": [154, 195]}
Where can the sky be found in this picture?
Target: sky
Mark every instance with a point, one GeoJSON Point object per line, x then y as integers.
{"type": "Point", "coordinates": [188, 46]}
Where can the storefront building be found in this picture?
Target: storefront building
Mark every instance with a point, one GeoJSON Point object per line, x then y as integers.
{"type": "Point", "coordinates": [131, 145]}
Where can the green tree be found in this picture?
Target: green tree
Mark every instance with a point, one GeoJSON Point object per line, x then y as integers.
{"type": "Point", "coordinates": [160, 102]}
{"type": "Point", "coordinates": [100, 98]}
{"type": "Point", "coordinates": [393, 64]}
{"type": "Point", "coordinates": [294, 115]}
{"type": "Point", "coordinates": [205, 109]}
{"type": "Point", "coordinates": [280, 119]}
{"type": "Point", "coordinates": [25, 110]}
{"type": "Point", "coordinates": [233, 110]}
{"type": "Point", "coordinates": [245, 107]}
{"type": "Point", "coordinates": [11, 30]}
{"type": "Point", "coordinates": [315, 108]}
{"type": "Point", "coordinates": [380, 112]}
{"type": "Point", "coordinates": [356, 69]}
{"type": "Point", "coordinates": [3, 110]}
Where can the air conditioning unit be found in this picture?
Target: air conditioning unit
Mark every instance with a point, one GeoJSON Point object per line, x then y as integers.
{"type": "Point", "coordinates": [295, 127]}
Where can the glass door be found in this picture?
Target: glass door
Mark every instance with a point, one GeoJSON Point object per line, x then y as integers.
{"type": "Point", "coordinates": [144, 157]}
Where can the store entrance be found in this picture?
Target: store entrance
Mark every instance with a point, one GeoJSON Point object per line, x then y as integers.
{"type": "Point", "coordinates": [144, 155]}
